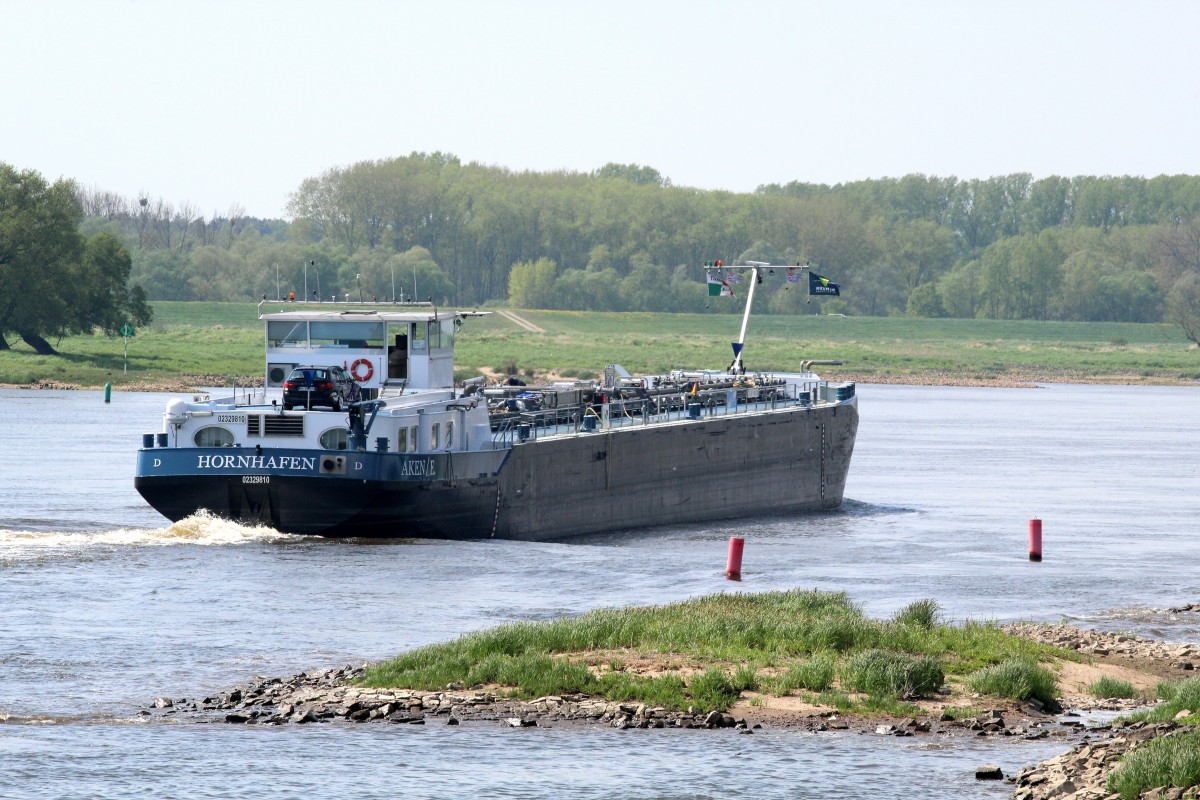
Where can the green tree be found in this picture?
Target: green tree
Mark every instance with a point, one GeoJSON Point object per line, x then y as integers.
{"type": "Point", "coordinates": [531, 284]}
{"type": "Point", "coordinates": [52, 281]}
{"type": "Point", "coordinates": [1183, 305]}
{"type": "Point", "coordinates": [103, 297]}
{"type": "Point", "coordinates": [959, 290]}
{"type": "Point", "coordinates": [925, 301]}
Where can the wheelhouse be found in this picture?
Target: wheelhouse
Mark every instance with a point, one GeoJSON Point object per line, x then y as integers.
{"type": "Point", "coordinates": [385, 351]}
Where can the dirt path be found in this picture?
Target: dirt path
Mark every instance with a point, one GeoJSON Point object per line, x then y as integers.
{"type": "Point", "coordinates": [521, 321]}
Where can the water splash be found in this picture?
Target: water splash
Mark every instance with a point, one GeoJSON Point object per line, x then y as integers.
{"type": "Point", "coordinates": [201, 528]}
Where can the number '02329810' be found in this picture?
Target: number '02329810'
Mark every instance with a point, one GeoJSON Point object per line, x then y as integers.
{"type": "Point", "coordinates": [256, 479]}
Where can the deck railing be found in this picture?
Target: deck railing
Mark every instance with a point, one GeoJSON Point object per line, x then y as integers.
{"type": "Point", "coordinates": [661, 409]}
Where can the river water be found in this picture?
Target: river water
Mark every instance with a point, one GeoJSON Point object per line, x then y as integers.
{"type": "Point", "coordinates": [104, 607]}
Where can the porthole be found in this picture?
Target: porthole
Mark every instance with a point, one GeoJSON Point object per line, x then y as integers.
{"type": "Point", "coordinates": [213, 436]}
{"type": "Point", "coordinates": [335, 439]}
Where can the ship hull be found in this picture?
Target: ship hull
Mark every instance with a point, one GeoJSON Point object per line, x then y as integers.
{"type": "Point", "coordinates": [785, 461]}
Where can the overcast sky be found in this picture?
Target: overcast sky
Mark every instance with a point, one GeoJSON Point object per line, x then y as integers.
{"type": "Point", "coordinates": [235, 103]}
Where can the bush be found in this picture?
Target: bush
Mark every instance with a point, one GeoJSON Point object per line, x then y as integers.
{"type": "Point", "coordinates": [879, 672]}
{"type": "Point", "coordinates": [1019, 678]}
{"type": "Point", "coordinates": [1166, 761]}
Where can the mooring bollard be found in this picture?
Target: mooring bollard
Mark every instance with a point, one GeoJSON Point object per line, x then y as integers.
{"type": "Point", "coordinates": [107, 392]}
{"type": "Point", "coordinates": [733, 563]}
{"type": "Point", "coordinates": [1035, 540]}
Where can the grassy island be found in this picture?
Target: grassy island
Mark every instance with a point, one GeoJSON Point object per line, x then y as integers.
{"type": "Point", "coordinates": [755, 650]}
{"type": "Point", "coordinates": [710, 651]}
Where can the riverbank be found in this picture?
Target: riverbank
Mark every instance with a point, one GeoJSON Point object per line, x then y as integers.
{"type": "Point", "coordinates": [183, 384]}
{"type": "Point", "coordinates": [1025, 379]}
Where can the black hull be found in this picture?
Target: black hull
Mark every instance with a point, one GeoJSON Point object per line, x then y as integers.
{"type": "Point", "coordinates": [780, 462]}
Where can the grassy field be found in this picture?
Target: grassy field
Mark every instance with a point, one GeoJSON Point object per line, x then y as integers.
{"type": "Point", "coordinates": [226, 339]}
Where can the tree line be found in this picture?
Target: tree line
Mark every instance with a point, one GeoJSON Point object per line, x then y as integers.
{"type": "Point", "coordinates": [623, 237]}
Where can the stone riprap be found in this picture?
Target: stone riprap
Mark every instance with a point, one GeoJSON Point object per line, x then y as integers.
{"type": "Point", "coordinates": [1082, 773]}
{"type": "Point", "coordinates": [332, 696]}
{"type": "Point", "coordinates": [1105, 643]}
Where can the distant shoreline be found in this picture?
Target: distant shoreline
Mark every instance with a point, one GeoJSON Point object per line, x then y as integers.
{"type": "Point", "coordinates": [1015, 380]}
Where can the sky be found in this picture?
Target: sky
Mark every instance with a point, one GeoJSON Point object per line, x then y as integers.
{"type": "Point", "coordinates": [232, 103]}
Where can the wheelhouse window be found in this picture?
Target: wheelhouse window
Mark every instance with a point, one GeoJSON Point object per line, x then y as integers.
{"type": "Point", "coordinates": [441, 334]}
{"type": "Point", "coordinates": [213, 436]}
{"type": "Point", "coordinates": [287, 334]}
{"type": "Point", "coordinates": [348, 335]}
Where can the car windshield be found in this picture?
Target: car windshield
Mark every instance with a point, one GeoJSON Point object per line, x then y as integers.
{"type": "Point", "coordinates": [307, 375]}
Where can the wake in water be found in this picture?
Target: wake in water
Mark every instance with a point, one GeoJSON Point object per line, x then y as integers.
{"type": "Point", "coordinates": [201, 528]}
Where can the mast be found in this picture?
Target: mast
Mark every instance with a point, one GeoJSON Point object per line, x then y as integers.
{"type": "Point", "coordinates": [740, 343]}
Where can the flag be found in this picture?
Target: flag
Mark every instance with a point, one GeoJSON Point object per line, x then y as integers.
{"type": "Point", "coordinates": [792, 275]}
{"type": "Point", "coordinates": [822, 286]}
{"type": "Point", "coordinates": [718, 287]}
{"type": "Point", "coordinates": [733, 277]}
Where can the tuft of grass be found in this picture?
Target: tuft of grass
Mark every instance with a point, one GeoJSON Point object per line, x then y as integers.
{"type": "Point", "coordinates": [1019, 678]}
{"type": "Point", "coordinates": [921, 613]}
{"type": "Point", "coordinates": [887, 674]}
{"type": "Point", "coordinates": [816, 675]}
{"type": "Point", "coordinates": [665, 690]}
{"type": "Point", "coordinates": [712, 690]}
{"type": "Point", "coordinates": [1111, 687]}
{"type": "Point", "coordinates": [1176, 696]}
{"type": "Point", "coordinates": [836, 699]}
{"type": "Point", "coordinates": [1166, 761]}
{"type": "Point", "coordinates": [961, 712]}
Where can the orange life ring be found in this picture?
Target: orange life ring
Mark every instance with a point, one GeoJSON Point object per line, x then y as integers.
{"type": "Point", "coordinates": [362, 362]}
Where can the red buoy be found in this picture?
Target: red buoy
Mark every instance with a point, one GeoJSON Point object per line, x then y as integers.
{"type": "Point", "coordinates": [733, 563]}
{"type": "Point", "coordinates": [1035, 540]}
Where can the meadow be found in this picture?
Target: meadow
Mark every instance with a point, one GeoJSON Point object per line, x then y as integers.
{"type": "Point", "coordinates": [224, 342]}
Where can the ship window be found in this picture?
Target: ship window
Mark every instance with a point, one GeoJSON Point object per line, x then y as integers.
{"type": "Point", "coordinates": [213, 436]}
{"type": "Point", "coordinates": [412, 439]}
{"type": "Point", "coordinates": [401, 440]}
{"type": "Point", "coordinates": [335, 439]}
{"type": "Point", "coordinates": [449, 434]}
{"type": "Point", "coordinates": [418, 337]}
{"type": "Point", "coordinates": [433, 437]}
{"type": "Point", "coordinates": [348, 335]}
{"type": "Point", "coordinates": [287, 334]}
{"type": "Point", "coordinates": [441, 335]}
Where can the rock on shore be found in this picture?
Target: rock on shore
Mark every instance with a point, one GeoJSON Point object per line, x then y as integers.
{"type": "Point", "coordinates": [1082, 773]}
{"type": "Point", "coordinates": [1182, 657]}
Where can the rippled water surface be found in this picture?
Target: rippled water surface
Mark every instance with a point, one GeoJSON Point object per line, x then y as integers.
{"type": "Point", "coordinates": [104, 606]}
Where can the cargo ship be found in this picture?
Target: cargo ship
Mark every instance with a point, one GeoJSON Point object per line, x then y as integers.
{"type": "Point", "coordinates": [409, 452]}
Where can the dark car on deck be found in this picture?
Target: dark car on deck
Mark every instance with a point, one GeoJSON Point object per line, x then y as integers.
{"type": "Point", "coordinates": [307, 387]}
